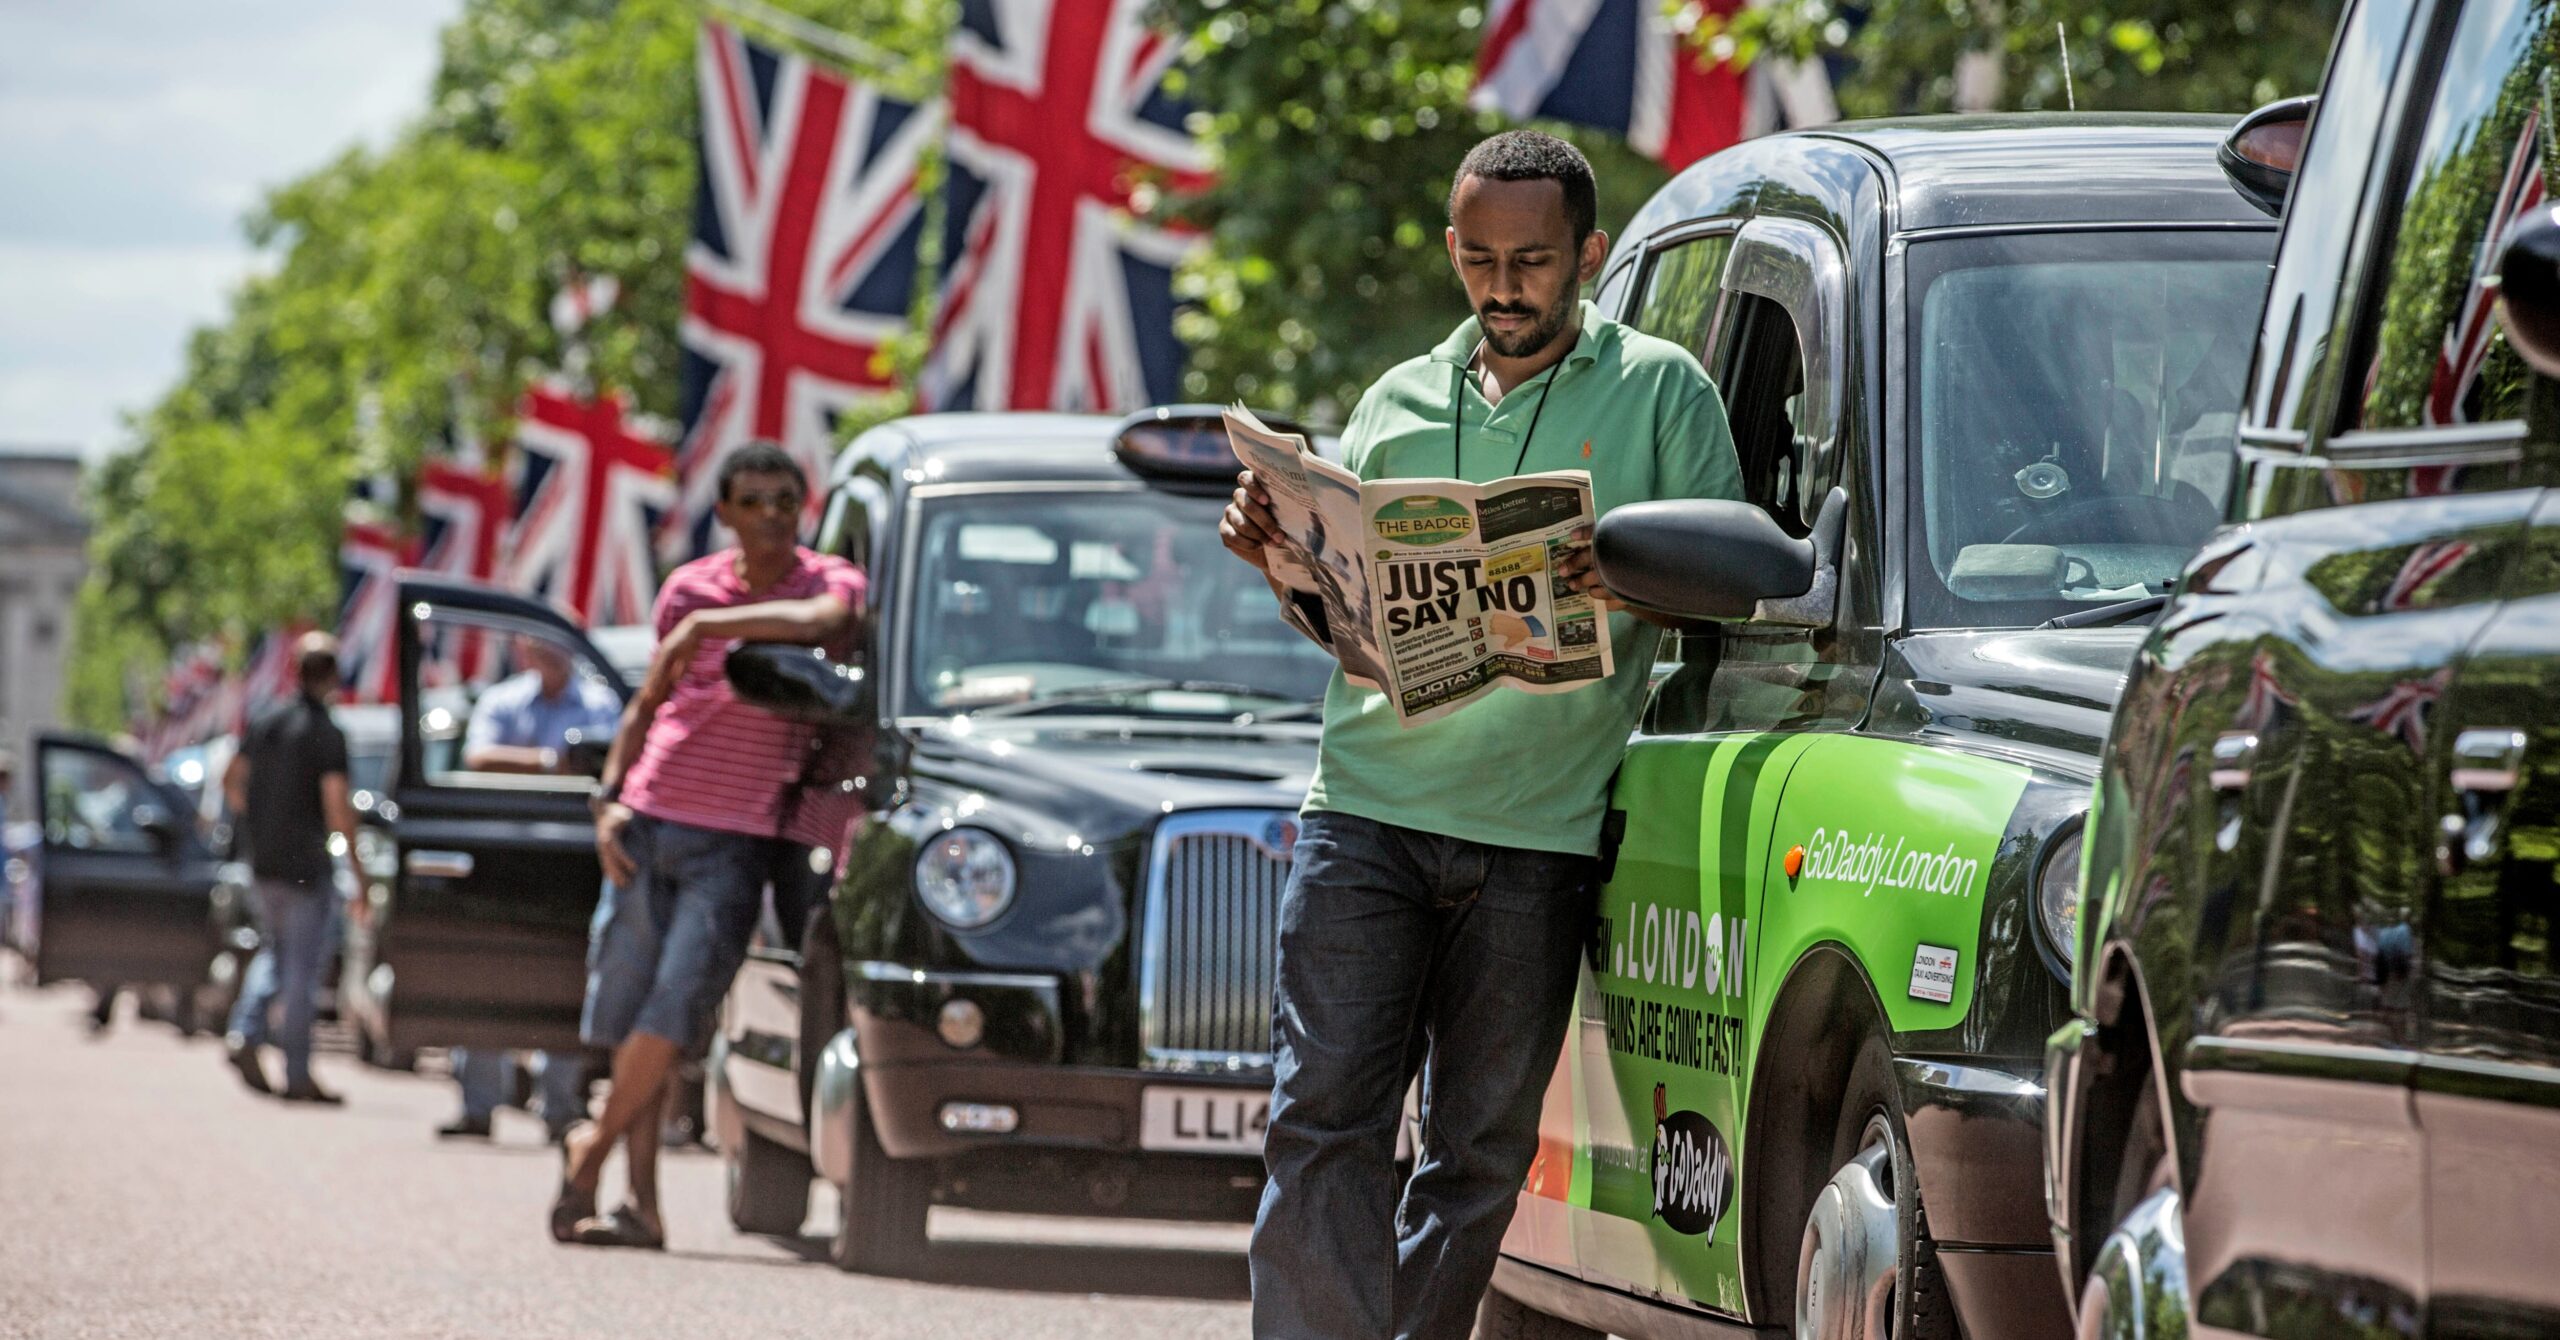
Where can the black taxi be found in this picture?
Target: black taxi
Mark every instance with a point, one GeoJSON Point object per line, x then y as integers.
{"type": "Point", "coordinates": [1043, 979]}
{"type": "Point", "coordinates": [2311, 1081]}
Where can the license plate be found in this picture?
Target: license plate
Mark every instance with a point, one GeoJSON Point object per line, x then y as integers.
{"type": "Point", "coordinates": [1205, 1121]}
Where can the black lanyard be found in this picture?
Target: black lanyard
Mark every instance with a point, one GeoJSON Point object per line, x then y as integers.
{"type": "Point", "coordinates": [1458, 414]}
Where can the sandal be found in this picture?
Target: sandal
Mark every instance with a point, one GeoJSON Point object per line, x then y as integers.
{"type": "Point", "coordinates": [571, 1207]}
{"type": "Point", "coordinates": [622, 1228]}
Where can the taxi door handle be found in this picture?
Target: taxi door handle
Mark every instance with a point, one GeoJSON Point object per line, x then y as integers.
{"type": "Point", "coordinates": [439, 864]}
{"type": "Point", "coordinates": [2235, 755]}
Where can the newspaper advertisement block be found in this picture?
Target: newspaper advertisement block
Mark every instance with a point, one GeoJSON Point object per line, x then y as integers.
{"type": "Point", "coordinates": [1432, 591]}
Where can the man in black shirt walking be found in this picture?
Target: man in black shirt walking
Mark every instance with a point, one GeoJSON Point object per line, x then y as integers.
{"type": "Point", "coordinates": [289, 785]}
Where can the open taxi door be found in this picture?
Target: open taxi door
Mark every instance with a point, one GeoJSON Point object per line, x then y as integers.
{"type": "Point", "coordinates": [124, 880]}
{"type": "Point", "coordinates": [480, 936]}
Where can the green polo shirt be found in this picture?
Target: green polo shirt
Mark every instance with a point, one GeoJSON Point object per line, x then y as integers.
{"type": "Point", "coordinates": [1523, 769]}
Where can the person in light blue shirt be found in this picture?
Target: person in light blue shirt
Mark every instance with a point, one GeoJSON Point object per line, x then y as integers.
{"type": "Point", "coordinates": [528, 723]}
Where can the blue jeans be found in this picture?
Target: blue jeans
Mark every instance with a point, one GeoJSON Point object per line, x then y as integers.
{"type": "Point", "coordinates": [296, 924]}
{"type": "Point", "coordinates": [661, 952]}
{"type": "Point", "coordinates": [1399, 946]}
{"type": "Point", "coordinates": [257, 998]}
{"type": "Point", "coordinates": [482, 1073]}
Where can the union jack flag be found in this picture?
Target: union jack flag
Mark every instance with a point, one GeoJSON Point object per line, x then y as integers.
{"type": "Point", "coordinates": [1626, 66]}
{"type": "Point", "coordinates": [2426, 565]}
{"type": "Point", "coordinates": [2467, 341]}
{"type": "Point", "coordinates": [269, 677]}
{"type": "Point", "coordinates": [806, 231]}
{"type": "Point", "coordinates": [2403, 710]}
{"type": "Point", "coordinates": [369, 553]}
{"type": "Point", "coordinates": [1053, 295]}
{"type": "Point", "coordinates": [595, 488]}
{"type": "Point", "coordinates": [2265, 694]}
{"type": "Point", "coordinates": [192, 695]}
{"type": "Point", "coordinates": [463, 514]}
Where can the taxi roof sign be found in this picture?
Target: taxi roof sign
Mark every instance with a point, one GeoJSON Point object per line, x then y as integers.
{"type": "Point", "coordinates": [1182, 442]}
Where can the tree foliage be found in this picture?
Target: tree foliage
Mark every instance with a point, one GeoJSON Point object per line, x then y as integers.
{"type": "Point", "coordinates": [2123, 55]}
{"type": "Point", "coordinates": [1336, 124]}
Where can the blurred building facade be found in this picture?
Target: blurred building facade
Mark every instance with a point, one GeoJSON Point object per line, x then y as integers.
{"type": "Point", "coordinates": [44, 545]}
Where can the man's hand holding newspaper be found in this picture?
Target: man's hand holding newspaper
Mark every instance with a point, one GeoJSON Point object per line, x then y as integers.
{"type": "Point", "coordinates": [1434, 591]}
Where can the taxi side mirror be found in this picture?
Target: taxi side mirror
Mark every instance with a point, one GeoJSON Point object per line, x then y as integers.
{"type": "Point", "coordinates": [2529, 289]}
{"type": "Point", "coordinates": [802, 683]}
{"type": "Point", "coordinates": [1711, 558]}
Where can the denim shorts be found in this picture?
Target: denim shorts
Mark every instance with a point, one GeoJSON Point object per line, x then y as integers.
{"type": "Point", "coordinates": [662, 950]}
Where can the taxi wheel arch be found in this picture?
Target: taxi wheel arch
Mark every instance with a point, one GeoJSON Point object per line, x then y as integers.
{"type": "Point", "coordinates": [1824, 1064]}
{"type": "Point", "coordinates": [2122, 1135]}
{"type": "Point", "coordinates": [1800, 1074]}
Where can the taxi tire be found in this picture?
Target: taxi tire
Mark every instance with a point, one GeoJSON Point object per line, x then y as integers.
{"type": "Point", "coordinates": [1503, 1317]}
{"type": "Point", "coordinates": [881, 1207]}
{"type": "Point", "coordinates": [768, 1186]}
{"type": "Point", "coordinates": [1922, 1307]}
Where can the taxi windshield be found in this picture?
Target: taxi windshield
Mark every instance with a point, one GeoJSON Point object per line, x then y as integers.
{"type": "Point", "coordinates": [1101, 600]}
{"type": "Point", "coordinates": [2076, 413]}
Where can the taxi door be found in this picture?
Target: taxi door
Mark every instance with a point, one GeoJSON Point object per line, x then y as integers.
{"type": "Point", "coordinates": [482, 940]}
{"type": "Point", "coordinates": [125, 882]}
{"type": "Point", "coordinates": [1659, 1055]}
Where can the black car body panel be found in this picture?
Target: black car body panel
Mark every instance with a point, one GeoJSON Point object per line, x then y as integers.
{"type": "Point", "coordinates": [2314, 1065]}
{"type": "Point", "coordinates": [485, 885]}
{"type": "Point", "coordinates": [125, 881]}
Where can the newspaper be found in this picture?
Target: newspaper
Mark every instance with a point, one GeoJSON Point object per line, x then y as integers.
{"type": "Point", "coordinates": [1432, 591]}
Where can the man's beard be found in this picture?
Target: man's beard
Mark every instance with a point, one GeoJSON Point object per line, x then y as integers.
{"type": "Point", "coordinates": [1542, 329]}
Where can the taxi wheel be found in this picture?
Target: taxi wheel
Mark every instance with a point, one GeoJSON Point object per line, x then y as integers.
{"type": "Point", "coordinates": [1866, 1269]}
{"type": "Point", "coordinates": [768, 1186]}
{"type": "Point", "coordinates": [880, 1208]}
{"type": "Point", "coordinates": [1503, 1317]}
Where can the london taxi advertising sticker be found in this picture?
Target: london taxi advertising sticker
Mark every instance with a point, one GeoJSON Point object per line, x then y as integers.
{"type": "Point", "coordinates": [1692, 1169]}
{"type": "Point", "coordinates": [1933, 973]}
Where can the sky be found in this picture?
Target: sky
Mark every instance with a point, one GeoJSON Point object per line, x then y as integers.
{"type": "Point", "coordinates": [134, 137]}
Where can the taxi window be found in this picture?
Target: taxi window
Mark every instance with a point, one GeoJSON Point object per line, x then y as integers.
{"type": "Point", "coordinates": [1109, 601]}
{"type": "Point", "coordinates": [2321, 217]}
{"type": "Point", "coordinates": [509, 706]}
{"type": "Point", "coordinates": [2076, 399]}
{"type": "Point", "coordinates": [1680, 292]}
{"type": "Point", "coordinates": [2440, 355]}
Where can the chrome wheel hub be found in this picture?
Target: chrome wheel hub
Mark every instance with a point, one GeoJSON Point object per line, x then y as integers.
{"type": "Point", "coordinates": [1852, 1247]}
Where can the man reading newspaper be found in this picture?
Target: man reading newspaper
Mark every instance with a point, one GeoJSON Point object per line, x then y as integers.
{"type": "Point", "coordinates": [1445, 876]}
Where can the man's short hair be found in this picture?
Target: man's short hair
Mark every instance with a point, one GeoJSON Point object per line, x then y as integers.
{"type": "Point", "coordinates": [1532, 155]}
{"type": "Point", "coordinates": [315, 662]}
{"type": "Point", "coordinates": [760, 458]}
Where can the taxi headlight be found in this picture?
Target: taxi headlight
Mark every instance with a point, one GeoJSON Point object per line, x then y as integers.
{"type": "Point", "coordinates": [2058, 895]}
{"type": "Point", "coordinates": [965, 876]}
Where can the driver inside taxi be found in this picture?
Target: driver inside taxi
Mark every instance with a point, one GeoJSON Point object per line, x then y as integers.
{"type": "Point", "coordinates": [530, 721]}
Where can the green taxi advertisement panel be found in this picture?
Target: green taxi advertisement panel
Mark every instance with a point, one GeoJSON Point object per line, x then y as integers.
{"type": "Point", "coordinates": [1741, 854]}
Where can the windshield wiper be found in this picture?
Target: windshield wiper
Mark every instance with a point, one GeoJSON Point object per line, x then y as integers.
{"type": "Point", "coordinates": [1122, 688]}
{"type": "Point", "coordinates": [2122, 611]}
{"type": "Point", "coordinates": [1305, 711]}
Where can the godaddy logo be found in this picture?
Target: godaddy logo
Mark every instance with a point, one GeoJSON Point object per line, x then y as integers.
{"type": "Point", "coordinates": [1841, 857]}
{"type": "Point", "coordinates": [1424, 519]}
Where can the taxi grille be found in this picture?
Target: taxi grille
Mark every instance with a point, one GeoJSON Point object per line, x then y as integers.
{"type": "Point", "coordinates": [1210, 938]}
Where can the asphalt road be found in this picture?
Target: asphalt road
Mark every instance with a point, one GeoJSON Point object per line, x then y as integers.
{"type": "Point", "coordinates": [144, 1192]}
